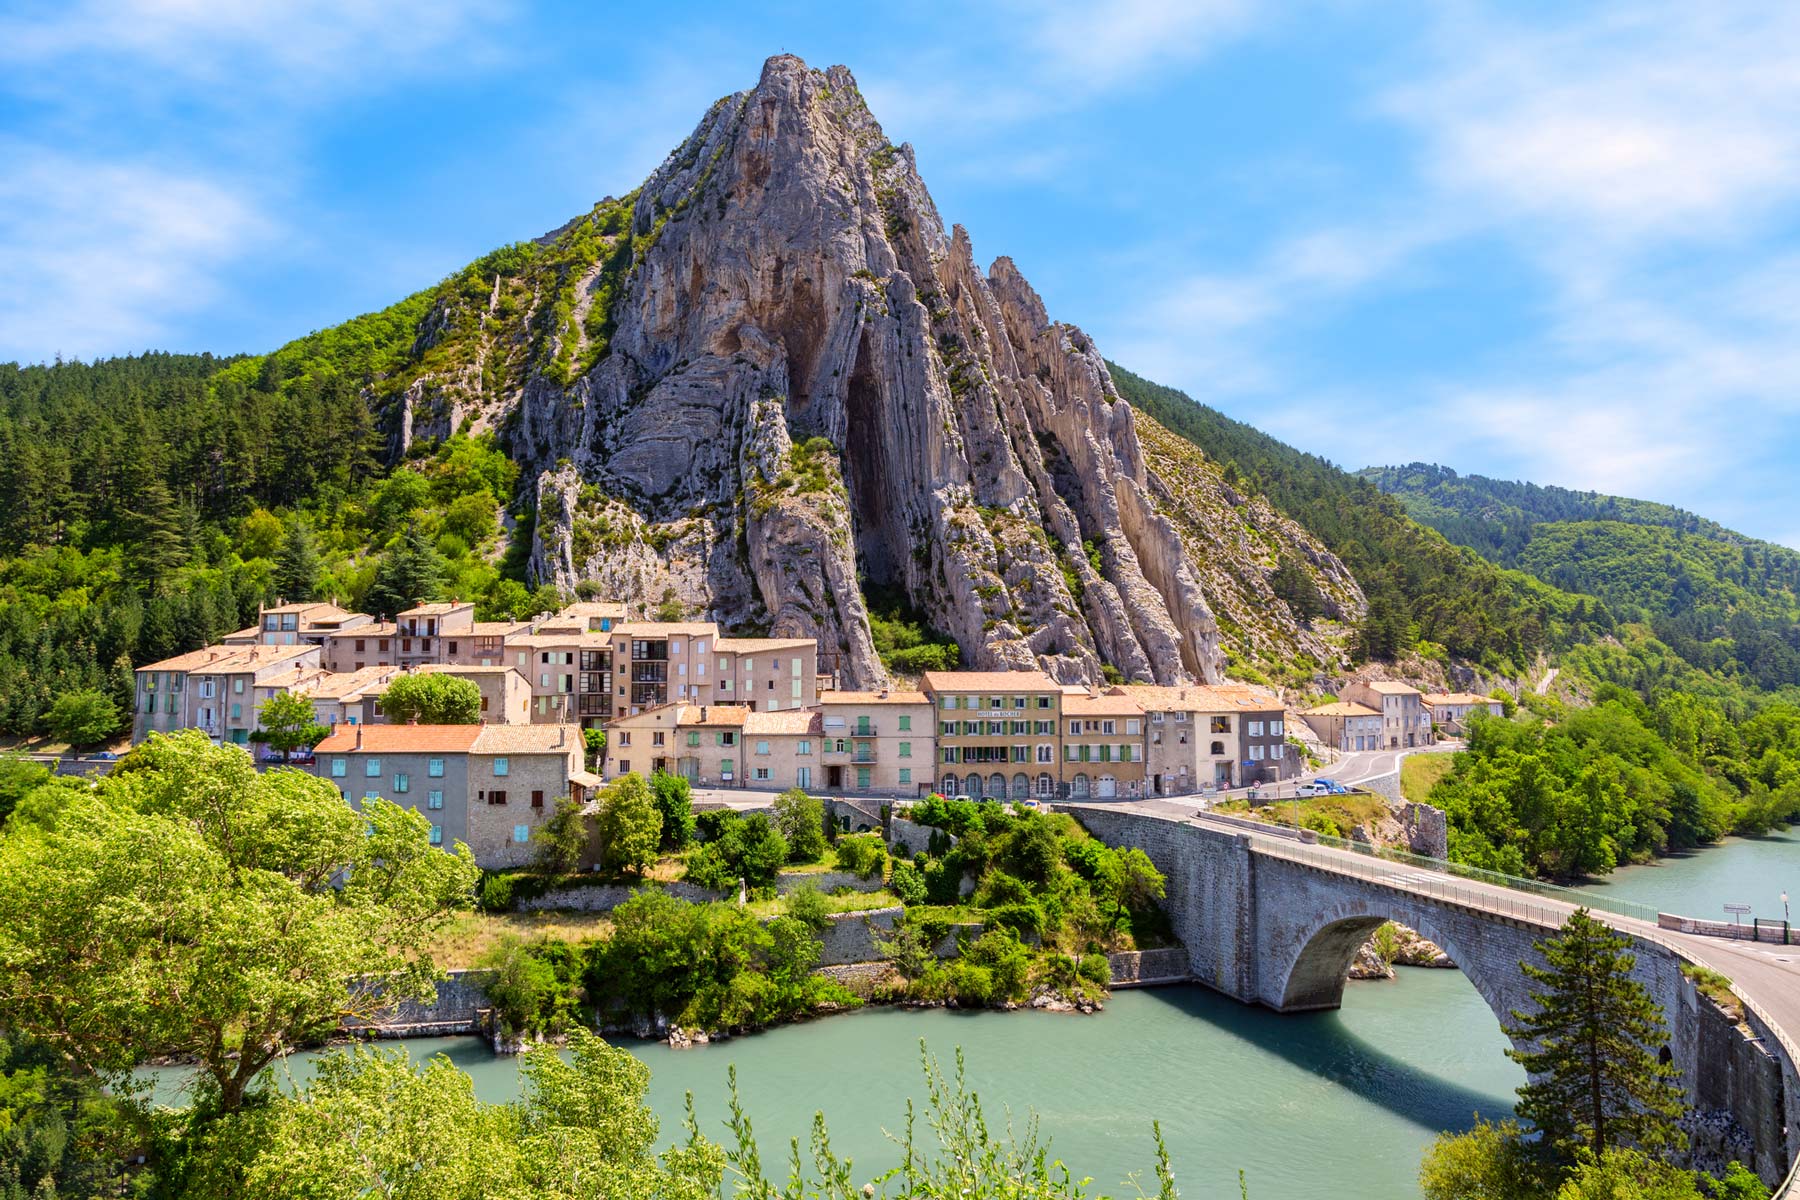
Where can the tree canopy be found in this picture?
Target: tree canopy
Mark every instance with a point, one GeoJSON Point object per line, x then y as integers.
{"type": "Point", "coordinates": [432, 698]}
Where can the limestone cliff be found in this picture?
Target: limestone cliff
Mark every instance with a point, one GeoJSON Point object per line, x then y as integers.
{"type": "Point", "coordinates": [771, 376]}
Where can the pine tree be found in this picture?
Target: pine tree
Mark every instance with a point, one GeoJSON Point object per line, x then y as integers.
{"type": "Point", "coordinates": [410, 572]}
{"type": "Point", "coordinates": [1294, 587]}
{"type": "Point", "coordinates": [1595, 1081]}
{"type": "Point", "coordinates": [297, 567]}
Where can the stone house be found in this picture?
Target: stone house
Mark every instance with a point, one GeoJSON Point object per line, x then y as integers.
{"type": "Point", "coordinates": [781, 750]}
{"type": "Point", "coordinates": [701, 742]}
{"type": "Point", "coordinates": [997, 732]}
{"type": "Point", "coordinates": [426, 629]}
{"type": "Point", "coordinates": [216, 689]}
{"type": "Point", "coordinates": [1449, 711]}
{"type": "Point", "coordinates": [1404, 721]}
{"type": "Point", "coordinates": [879, 742]}
{"type": "Point", "coordinates": [489, 786]}
{"type": "Point", "coordinates": [1102, 745]}
{"type": "Point", "coordinates": [375, 644]}
{"type": "Point", "coordinates": [347, 698]}
{"type": "Point", "coordinates": [1345, 725]}
{"type": "Point", "coordinates": [306, 623]}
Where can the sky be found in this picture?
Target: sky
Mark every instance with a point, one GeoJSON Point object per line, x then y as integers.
{"type": "Point", "coordinates": [1554, 242]}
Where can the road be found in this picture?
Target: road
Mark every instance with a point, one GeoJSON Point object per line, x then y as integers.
{"type": "Point", "coordinates": [1357, 766]}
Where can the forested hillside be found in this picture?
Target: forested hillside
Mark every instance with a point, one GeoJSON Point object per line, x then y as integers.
{"type": "Point", "coordinates": [151, 503]}
{"type": "Point", "coordinates": [1420, 587]}
{"type": "Point", "coordinates": [1723, 602]}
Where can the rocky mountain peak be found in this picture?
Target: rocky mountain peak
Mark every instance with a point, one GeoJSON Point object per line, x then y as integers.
{"type": "Point", "coordinates": [770, 380]}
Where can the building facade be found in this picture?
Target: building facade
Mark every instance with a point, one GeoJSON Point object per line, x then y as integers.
{"type": "Point", "coordinates": [1102, 746]}
{"type": "Point", "coordinates": [1404, 721]}
{"type": "Point", "coordinates": [1345, 725]}
{"type": "Point", "coordinates": [1449, 711]}
{"type": "Point", "coordinates": [998, 733]}
{"type": "Point", "coordinates": [878, 742]}
{"type": "Point", "coordinates": [215, 690]}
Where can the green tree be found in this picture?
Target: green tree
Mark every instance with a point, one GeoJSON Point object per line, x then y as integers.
{"type": "Point", "coordinates": [263, 901]}
{"type": "Point", "coordinates": [1489, 1162]}
{"type": "Point", "coordinates": [298, 566]}
{"type": "Point", "coordinates": [370, 1122]}
{"type": "Point", "coordinates": [432, 698]}
{"type": "Point", "coordinates": [83, 717]}
{"type": "Point", "coordinates": [674, 799]}
{"type": "Point", "coordinates": [411, 572]}
{"type": "Point", "coordinates": [801, 820]}
{"type": "Point", "coordinates": [19, 777]}
{"type": "Point", "coordinates": [286, 722]}
{"type": "Point", "coordinates": [1597, 1082]}
{"type": "Point", "coordinates": [562, 838]}
{"type": "Point", "coordinates": [1294, 586]}
{"type": "Point", "coordinates": [1131, 882]}
{"type": "Point", "coordinates": [260, 534]}
{"type": "Point", "coordinates": [629, 825]}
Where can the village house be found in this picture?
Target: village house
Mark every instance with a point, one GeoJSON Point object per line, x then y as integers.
{"type": "Point", "coordinates": [488, 786]}
{"type": "Point", "coordinates": [781, 750]}
{"type": "Point", "coordinates": [1102, 745]}
{"type": "Point", "coordinates": [702, 743]}
{"type": "Point", "coordinates": [346, 698]}
{"type": "Point", "coordinates": [1449, 711]}
{"type": "Point", "coordinates": [1345, 725]}
{"type": "Point", "coordinates": [375, 644]}
{"type": "Point", "coordinates": [216, 689]}
{"type": "Point", "coordinates": [1404, 721]}
{"type": "Point", "coordinates": [997, 732]}
{"type": "Point", "coordinates": [305, 623]}
{"type": "Point", "coordinates": [879, 742]}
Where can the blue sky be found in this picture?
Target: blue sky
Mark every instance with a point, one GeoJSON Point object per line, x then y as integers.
{"type": "Point", "coordinates": [1552, 241]}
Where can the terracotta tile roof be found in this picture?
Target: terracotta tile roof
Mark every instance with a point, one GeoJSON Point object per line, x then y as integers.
{"type": "Point", "coordinates": [1390, 687]}
{"type": "Point", "coordinates": [1340, 708]}
{"type": "Point", "coordinates": [593, 608]}
{"type": "Point", "coordinates": [731, 645]}
{"type": "Point", "coordinates": [532, 641]}
{"type": "Point", "coordinates": [372, 629]}
{"type": "Point", "coordinates": [342, 685]}
{"type": "Point", "coordinates": [662, 629]}
{"type": "Point", "coordinates": [527, 739]}
{"type": "Point", "coordinates": [711, 714]}
{"type": "Point", "coordinates": [496, 628]}
{"type": "Point", "coordinates": [1458, 698]}
{"type": "Point", "coordinates": [218, 659]}
{"type": "Point", "coordinates": [402, 739]}
{"type": "Point", "coordinates": [989, 681]}
{"type": "Point", "coordinates": [1105, 705]}
{"type": "Point", "coordinates": [310, 608]}
{"type": "Point", "coordinates": [1198, 697]}
{"type": "Point", "coordinates": [241, 637]}
{"type": "Point", "coordinates": [830, 698]}
{"type": "Point", "coordinates": [437, 608]}
{"type": "Point", "coordinates": [292, 677]}
{"type": "Point", "coordinates": [797, 720]}
{"type": "Point", "coordinates": [464, 669]}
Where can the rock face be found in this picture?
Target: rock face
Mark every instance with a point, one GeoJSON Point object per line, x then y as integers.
{"type": "Point", "coordinates": [770, 379]}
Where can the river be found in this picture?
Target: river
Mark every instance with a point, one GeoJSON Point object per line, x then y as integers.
{"type": "Point", "coordinates": [1337, 1104]}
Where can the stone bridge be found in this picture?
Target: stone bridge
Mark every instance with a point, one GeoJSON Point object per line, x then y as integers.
{"type": "Point", "coordinates": [1269, 920]}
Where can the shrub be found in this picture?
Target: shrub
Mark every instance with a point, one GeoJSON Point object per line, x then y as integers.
{"type": "Point", "coordinates": [532, 989]}
{"type": "Point", "coordinates": [863, 855]}
{"type": "Point", "coordinates": [801, 820]}
{"type": "Point", "coordinates": [496, 892]}
{"type": "Point", "coordinates": [674, 800]}
{"type": "Point", "coordinates": [629, 825]}
{"type": "Point", "coordinates": [906, 882]}
{"type": "Point", "coordinates": [747, 848]}
{"type": "Point", "coordinates": [807, 905]}
{"type": "Point", "coordinates": [1095, 969]}
{"type": "Point", "coordinates": [562, 838]}
{"type": "Point", "coordinates": [1022, 918]}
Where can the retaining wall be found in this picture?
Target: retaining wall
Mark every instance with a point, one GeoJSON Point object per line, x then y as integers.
{"type": "Point", "coordinates": [460, 1006]}
{"type": "Point", "coordinates": [1142, 968]}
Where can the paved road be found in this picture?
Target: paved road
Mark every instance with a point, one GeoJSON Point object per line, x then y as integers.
{"type": "Point", "coordinates": [1356, 766]}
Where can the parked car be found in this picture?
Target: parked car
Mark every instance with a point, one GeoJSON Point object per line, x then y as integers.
{"type": "Point", "coordinates": [104, 756]}
{"type": "Point", "coordinates": [1332, 787]}
{"type": "Point", "coordinates": [1312, 789]}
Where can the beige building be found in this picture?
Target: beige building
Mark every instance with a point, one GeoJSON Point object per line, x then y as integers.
{"type": "Point", "coordinates": [657, 663]}
{"type": "Point", "coordinates": [1102, 745]}
{"type": "Point", "coordinates": [489, 786]}
{"type": "Point", "coordinates": [781, 750]}
{"type": "Point", "coordinates": [702, 743]}
{"type": "Point", "coordinates": [1210, 737]}
{"type": "Point", "coordinates": [1345, 725]}
{"type": "Point", "coordinates": [303, 624]}
{"type": "Point", "coordinates": [216, 690]}
{"type": "Point", "coordinates": [1404, 721]}
{"type": "Point", "coordinates": [881, 742]}
{"type": "Point", "coordinates": [997, 732]}
{"type": "Point", "coordinates": [1449, 711]}
{"type": "Point", "coordinates": [375, 644]}
{"type": "Point", "coordinates": [426, 630]}
{"type": "Point", "coordinates": [347, 698]}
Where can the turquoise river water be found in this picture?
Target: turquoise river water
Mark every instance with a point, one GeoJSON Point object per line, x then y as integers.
{"type": "Point", "coordinates": [1337, 1104]}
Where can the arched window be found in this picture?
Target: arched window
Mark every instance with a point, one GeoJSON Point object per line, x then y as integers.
{"type": "Point", "coordinates": [952, 785]}
{"type": "Point", "coordinates": [997, 786]}
{"type": "Point", "coordinates": [1045, 785]}
{"type": "Point", "coordinates": [1078, 787]}
{"type": "Point", "coordinates": [1218, 748]}
{"type": "Point", "coordinates": [1021, 786]}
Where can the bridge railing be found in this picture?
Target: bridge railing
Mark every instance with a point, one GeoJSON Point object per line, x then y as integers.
{"type": "Point", "coordinates": [1516, 883]}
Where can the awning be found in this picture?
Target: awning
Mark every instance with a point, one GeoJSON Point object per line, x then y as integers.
{"type": "Point", "coordinates": [586, 779]}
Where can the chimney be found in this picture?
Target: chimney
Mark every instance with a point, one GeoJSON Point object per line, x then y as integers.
{"type": "Point", "coordinates": [562, 735]}
{"type": "Point", "coordinates": [359, 731]}
{"type": "Point", "coordinates": [412, 720]}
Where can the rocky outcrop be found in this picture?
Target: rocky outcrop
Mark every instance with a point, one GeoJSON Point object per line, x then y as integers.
{"type": "Point", "coordinates": [771, 379]}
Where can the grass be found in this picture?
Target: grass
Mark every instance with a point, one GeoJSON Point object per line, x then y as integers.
{"type": "Point", "coordinates": [469, 935]}
{"type": "Point", "coordinates": [849, 902]}
{"type": "Point", "coordinates": [1419, 773]}
{"type": "Point", "coordinates": [1714, 987]}
{"type": "Point", "coordinates": [1336, 815]}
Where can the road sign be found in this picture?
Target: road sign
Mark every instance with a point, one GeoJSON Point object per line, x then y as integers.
{"type": "Point", "coordinates": [1737, 908]}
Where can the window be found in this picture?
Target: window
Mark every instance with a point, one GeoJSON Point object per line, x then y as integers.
{"type": "Point", "coordinates": [437, 835]}
{"type": "Point", "coordinates": [625, 734]}
{"type": "Point", "coordinates": [1043, 701]}
{"type": "Point", "coordinates": [624, 766]}
{"type": "Point", "coordinates": [435, 768]}
{"type": "Point", "coordinates": [1256, 753]}
{"type": "Point", "coordinates": [905, 749]}
{"type": "Point", "coordinates": [339, 768]}
{"type": "Point", "coordinates": [949, 702]}
{"type": "Point", "coordinates": [372, 768]}
{"type": "Point", "coordinates": [1256, 729]}
{"type": "Point", "coordinates": [803, 746]}
{"type": "Point", "coordinates": [762, 748]}
{"type": "Point", "coordinates": [947, 728]}
{"type": "Point", "coordinates": [237, 710]}
{"type": "Point", "coordinates": [1046, 753]}
{"type": "Point", "coordinates": [906, 724]}
{"type": "Point", "coordinates": [762, 774]}
{"type": "Point", "coordinates": [537, 799]}
{"type": "Point", "coordinates": [1131, 725]}
{"type": "Point", "coordinates": [402, 781]}
{"type": "Point", "coordinates": [905, 775]}
{"type": "Point", "coordinates": [371, 796]}
{"type": "Point", "coordinates": [521, 833]}
{"type": "Point", "coordinates": [1109, 727]}
{"type": "Point", "coordinates": [1277, 750]}
{"type": "Point", "coordinates": [802, 777]}
{"type": "Point", "coordinates": [496, 796]}
{"type": "Point", "coordinates": [501, 766]}
{"type": "Point", "coordinates": [656, 737]}
{"type": "Point", "coordinates": [434, 799]}
{"type": "Point", "coordinates": [1074, 728]}
{"type": "Point", "coordinates": [237, 685]}
{"type": "Point", "coordinates": [1274, 728]}
{"type": "Point", "coordinates": [862, 778]}
{"type": "Point", "coordinates": [453, 647]}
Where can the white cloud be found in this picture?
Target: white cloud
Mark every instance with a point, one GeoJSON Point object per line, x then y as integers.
{"type": "Point", "coordinates": [95, 255]}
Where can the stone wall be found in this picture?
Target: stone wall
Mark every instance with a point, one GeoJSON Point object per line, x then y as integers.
{"type": "Point", "coordinates": [1427, 829]}
{"type": "Point", "coordinates": [460, 1007]}
{"type": "Point", "coordinates": [1386, 785]}
{"type": "Point", "coordinates": [851, 936]}
{"type": "Point", "coordinates": [826, 881]}
{"type": "Point", "coordinates": [604, 897]}
{"type": "Point", "coordinates": [1142, 968]}
{"type": "Point", "coordinates": [910, 836]}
